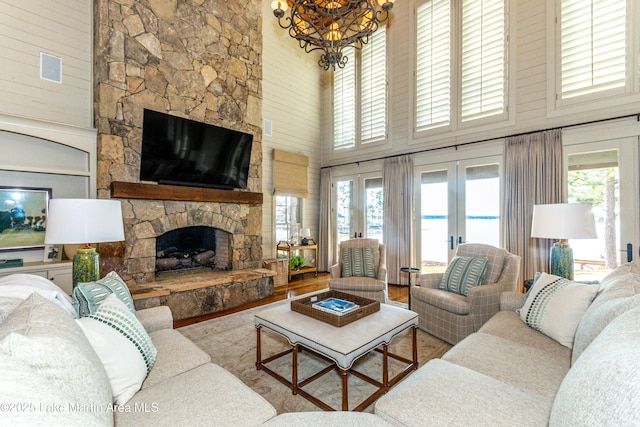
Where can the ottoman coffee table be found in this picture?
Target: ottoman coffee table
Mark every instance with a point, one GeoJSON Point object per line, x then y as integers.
{"type": "Point", "coordinates": [339, 346]}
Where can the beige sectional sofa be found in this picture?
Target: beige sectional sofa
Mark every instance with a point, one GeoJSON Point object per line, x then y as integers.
{"type": "Point", "coordinates": [50, 376]}
{"type": "Point", "coordinates": [510, 374]}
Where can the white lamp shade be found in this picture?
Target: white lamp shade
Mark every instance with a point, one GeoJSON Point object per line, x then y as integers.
{"type": "Point", "coordinates": [563, 221]}
{"type": "Point", "coordinates": [83, 221]}
{"type": "Point", "coordinates": [305, 232]}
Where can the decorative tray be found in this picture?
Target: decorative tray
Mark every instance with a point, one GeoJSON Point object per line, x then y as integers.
{"type": "Point", "coordinates": [304, 306]}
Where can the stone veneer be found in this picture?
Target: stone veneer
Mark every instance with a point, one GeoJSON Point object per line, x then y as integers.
{"type": "Point", "coordinates": [199, 59]}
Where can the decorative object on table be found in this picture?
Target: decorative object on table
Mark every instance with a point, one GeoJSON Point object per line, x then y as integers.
{"type": "Point", "coordinates": [23, 217]}
{"type": "Point", "coordinates": [336, 306]}
{"type": "Point", "coordinates": [331, 25]}
{"type": "Point", "coordinates": [563, 221]}
{"type": "Point", "coordinates": [52, 253]}
{"type": "Point", "coordinates": [85, 221]}
{"type": "Point", "coordinates": [297, 262]}
{"type": "Point", "coordinates": [304, 233]}
{"type": "Point", "coordinates": [293, 232]}
{"type": "Point", "coordinates": [305, 306]}
{"type": "Point", "coordinates": [8, 263]}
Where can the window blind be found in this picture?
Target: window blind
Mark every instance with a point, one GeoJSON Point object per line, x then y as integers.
{"type": "Point", "coordinates": [344, 106]}
{"type": "Point", "coordinates": [373, 88]}
{"type": "Point", "coordinates": [593, 46]}
{"type": "Point", "coordinates": [290, 174]}
{"type": "Point", "coordinates": [433, 64]}
{"type": "Point", "coordinates": [483, 58]}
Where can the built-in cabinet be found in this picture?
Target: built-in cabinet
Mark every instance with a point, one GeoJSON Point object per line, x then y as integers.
{"type": "Point", "coordinates": [59, 273]}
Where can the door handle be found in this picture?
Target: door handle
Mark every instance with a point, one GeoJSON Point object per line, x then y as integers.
{"type": "Point", "coordinates": [451, 242]}
{"type": "Point", "coordinates": [629, 252]}
{"type": "Point", "coordinates": [459, 240]}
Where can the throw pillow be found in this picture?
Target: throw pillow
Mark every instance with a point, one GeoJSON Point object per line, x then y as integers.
{"type": "Point", "coordinates": [369, 266]}
{"type": "Point", "coordinates": [358, 262]}
{"type": "Point", "coordinates": [123, 346]}
{"type": "Point", "coordinates": [88, 296]}
{"type": "Point", "coordinates": [463, 273]}
{"type": "Point", "coordinates": [555, 306]}
{"type": "Point", "coordinates": [345, 258]}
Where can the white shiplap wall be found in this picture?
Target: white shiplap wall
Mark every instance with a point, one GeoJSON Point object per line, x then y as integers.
{"type": "Point", "coordinates": [292, 102]}
{"type": "Point", "coordinates": [62, 28]}
{"type": "Point", "coordinates": [532, 32]}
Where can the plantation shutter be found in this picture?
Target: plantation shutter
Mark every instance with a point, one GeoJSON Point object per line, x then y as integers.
{"type": "Point", "coordinates": [483, 58]}
{"type": "Point", "coordinates": [593, 46]}
{"type": "Point", "coordinates": [290, 174]}
{"type": "Point", "coordinates": [373, 88]}
{"type": "Point", "coordinates": [433, 65]}
{"type": "Point", "coordinates": [344, 106]}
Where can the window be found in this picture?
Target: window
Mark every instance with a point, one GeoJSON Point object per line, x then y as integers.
{"type": "Point", "coordinates": [479, 85]}
{"type": "Point", "coordinates": [360, 95]}
{"type": "Point", "coordinates": [288, 217]}
{"type": "Point", "coordinates": [592, 46]}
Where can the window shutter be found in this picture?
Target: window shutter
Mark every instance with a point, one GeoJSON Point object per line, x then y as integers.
{"type": "Point", "coordinates": [373, 88]}
{"type": "Point", "coordinates": [433, 65]}
{"type": "Point", "coordinates": [483, 58]}
{"type": "Point", "coordinates": [344, 107]}
{"type": "Point", "coordinates": [593, 46]}
{"type": "Point", "coordinates": [290, 174]}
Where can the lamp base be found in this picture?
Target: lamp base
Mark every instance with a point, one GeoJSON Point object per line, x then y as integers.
{"type": "Point", "coordinates": [86, 266]}
{"type": "Point", "coordinates": [562, 260]}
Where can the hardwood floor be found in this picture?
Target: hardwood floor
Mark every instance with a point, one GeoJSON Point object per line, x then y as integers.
{"type": "Point", "coordinates": [298, 286]}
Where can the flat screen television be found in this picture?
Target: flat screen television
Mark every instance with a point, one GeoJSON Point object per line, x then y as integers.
{"type": "Point", "coordinates": [180, 151]}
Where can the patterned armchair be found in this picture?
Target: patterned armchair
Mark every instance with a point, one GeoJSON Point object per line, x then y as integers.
{"type": "Point", "coordinates": [451, 316]}
{"type": "Point", "coordinates": [361, 269]}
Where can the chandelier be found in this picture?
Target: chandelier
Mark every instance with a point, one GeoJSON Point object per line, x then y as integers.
{"type": "Point", "coordinates": [331, 25]}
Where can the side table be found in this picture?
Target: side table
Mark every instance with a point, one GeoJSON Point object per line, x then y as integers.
{"type": "Point", "coordinates": [409, 270]}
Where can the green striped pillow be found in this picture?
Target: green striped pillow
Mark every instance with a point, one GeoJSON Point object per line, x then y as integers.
{"type": "Point", "coordinates": [358, 262]}
{"type": "Point", "coordinates": [463, 273]}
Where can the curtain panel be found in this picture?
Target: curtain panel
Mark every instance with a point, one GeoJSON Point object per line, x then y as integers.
{"type": "Point", "coordinates": [533, 176]}
{"type": "Point", "coordinates": [325, 223]}
{"type": "Point", "coordinates": [398, 205]}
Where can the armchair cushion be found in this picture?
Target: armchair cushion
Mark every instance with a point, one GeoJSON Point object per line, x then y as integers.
{"type": "Point", "coordinates": [463, 273]}
{"type": "Point", "coordinates": [358, 262]}
{"type": "Point", "coordinates": [555, 307]}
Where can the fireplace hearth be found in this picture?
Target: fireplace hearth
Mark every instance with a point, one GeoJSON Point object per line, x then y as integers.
{"type": "Point", "coordinates": [192, 249]}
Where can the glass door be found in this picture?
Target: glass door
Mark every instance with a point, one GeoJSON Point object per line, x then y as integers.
{"type": "Point", "coordinates": [459, 203]}
{"type": "Point", "coordinates": [358, 207]}
{"type": "Point", "coordinates": [602, 174]}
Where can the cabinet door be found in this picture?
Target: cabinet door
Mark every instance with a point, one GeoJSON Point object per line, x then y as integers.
{"type": "Point", "coordinates": [63, 279]}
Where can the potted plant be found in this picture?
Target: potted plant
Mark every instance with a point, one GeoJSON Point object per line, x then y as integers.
{"type": "Point", "coordinates": [296, 262]}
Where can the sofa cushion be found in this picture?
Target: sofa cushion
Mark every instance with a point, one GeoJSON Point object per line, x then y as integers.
{"type": "Point", "coordinates": [462, 274]}
{"type": "Point", "coordinates": [555, 307]}
{"type": "Point", "coordinates": [357, 283]}
{"type": "Point", "coordinates": [206, 396]}
{"type": "Point", "coordinates": [122, 344]}
{"type": "Point", "coordinates": [88, 296]}
{"type": "Point", "coordinates": [510, 362]}
{"type": "Point", "coordinates": [602, 387]}
{"type": "Point", "coordinates": [20, 286]}
{"type": "Point", "coordinates": [445, 394]}
{"type": "Point", "coordinates": [448, 301]}
{"type": "Point", "coordinates": [619, 292]}
{"type": "Point", "coordinates": [327, 419]}
{"type": "Point", "coordinates": [45, 338]}
{"type": "Point", "coordinates": [176, 354]}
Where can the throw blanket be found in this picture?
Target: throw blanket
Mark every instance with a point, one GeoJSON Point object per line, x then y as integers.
{"type": "Point", "coordinates": [22, 285]}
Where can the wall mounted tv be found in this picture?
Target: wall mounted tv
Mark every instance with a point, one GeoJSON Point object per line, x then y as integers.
{"type": "Point", "coordinates": [179, 151]}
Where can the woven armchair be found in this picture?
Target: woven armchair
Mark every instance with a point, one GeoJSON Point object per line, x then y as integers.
{"type": "Point", "coordinates": [368, 287]}
{"type": "Point", "coordinates": [450, 316]}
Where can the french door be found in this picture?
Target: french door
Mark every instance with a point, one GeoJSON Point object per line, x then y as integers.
{"type": "Point", "coordinates": [358, 204]}
{"type": "Point", "coordinates": [604, 174]}
{"type": "Point", "coordinates": [459, 202]}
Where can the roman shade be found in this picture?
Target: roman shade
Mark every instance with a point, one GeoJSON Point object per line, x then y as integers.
{"type": "Point", "coordinates": [290, 174]}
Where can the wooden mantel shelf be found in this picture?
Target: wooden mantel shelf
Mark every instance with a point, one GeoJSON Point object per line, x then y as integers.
{"type": "Point", "coordinates": [136, 190]}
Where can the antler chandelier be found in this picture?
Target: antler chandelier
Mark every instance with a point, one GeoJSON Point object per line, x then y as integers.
{"type": "Point", "coordinates": [331, 25]}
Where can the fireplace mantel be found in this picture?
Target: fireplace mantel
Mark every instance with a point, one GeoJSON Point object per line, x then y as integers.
{"type": "Point", "coordinates": [136, 190]}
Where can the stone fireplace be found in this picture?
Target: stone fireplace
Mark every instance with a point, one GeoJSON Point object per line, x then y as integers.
{"type": "Point", "coordinates": [197, 248]}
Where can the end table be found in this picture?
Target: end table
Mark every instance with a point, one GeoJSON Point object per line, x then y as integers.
{"type": "Point", "coordinates": [409, 270]}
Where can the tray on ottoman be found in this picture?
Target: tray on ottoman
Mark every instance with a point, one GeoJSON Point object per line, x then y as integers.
{"type": "Point", "coordinates": [304, 306]}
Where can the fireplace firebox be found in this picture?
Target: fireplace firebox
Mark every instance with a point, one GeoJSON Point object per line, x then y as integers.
{"type": "Point", "coordinates": [193, 248]}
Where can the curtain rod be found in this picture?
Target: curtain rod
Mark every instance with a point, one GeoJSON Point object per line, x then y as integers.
{"type": "Point", "coordinates": [426, 150]}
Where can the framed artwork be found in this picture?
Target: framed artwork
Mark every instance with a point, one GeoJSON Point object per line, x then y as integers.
{"type": "Point", "coordinates": [52, 253]}
{"type": "Point", "coordinates": [23, 217]}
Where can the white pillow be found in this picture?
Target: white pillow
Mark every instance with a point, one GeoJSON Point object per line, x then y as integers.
{"type": "Point", "coordinates": [555, 306]}
{"type": "Point", "coordinates": [22, 285]}
{"type": "Point", "coordinates": [123, 346]}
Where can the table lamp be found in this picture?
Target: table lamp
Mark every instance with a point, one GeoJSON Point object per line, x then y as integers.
{"type": "Point", "coordinates": [84, 221]}
{"type": "Point", "coordinates": [563, 221]}
{"type": "Point", "coordinates": [304, 233]}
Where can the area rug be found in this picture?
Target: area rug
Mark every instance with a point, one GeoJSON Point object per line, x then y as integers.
{"type": "Point", "coordinates": [231, 343]}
